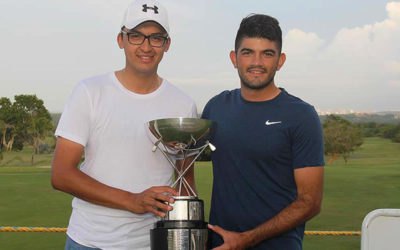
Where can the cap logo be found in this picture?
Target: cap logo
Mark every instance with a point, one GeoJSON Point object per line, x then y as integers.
{"type": "Point", "coordinates": [145, 8]}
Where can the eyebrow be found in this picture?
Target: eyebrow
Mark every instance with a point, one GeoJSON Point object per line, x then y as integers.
{"type": "Point", "coordinates": [250, 50]}
{"type": "Point", "coordinates": [270, 50]}
{"type": "Point", "coordinates": [246, 49]}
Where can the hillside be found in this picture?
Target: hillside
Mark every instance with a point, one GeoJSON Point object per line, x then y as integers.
{"type": "Point", "coordinates": [378, 117]}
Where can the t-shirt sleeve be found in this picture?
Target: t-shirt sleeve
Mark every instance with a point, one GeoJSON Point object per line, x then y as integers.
{"type": "Point", "coordinates": [75, 122]}
{"type": "Point", "coordinates": [307, 141]}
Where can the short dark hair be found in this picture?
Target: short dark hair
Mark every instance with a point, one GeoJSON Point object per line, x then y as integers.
{"type": "Point", "coordinates": [259, 26]}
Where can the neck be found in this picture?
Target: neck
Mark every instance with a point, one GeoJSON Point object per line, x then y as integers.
{"type": "Point", "coordinates": [138, 83]}
{"type": "Point", "coordinates": [259, 95]}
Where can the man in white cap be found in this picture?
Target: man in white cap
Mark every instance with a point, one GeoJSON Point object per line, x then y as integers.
{"type": "Point", "coordinates": [121, 186]}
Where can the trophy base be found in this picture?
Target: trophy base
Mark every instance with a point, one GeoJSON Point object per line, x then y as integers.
{"type": "Point", "coordinates": [183, 228]}
{"type": "Point", "coordinates": [181, 237]}
{"type": "Point", "coordinates": [185, 208]}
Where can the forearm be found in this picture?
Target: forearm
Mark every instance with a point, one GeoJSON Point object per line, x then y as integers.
{"type": "Point", "coordinates": [81, 185]}
{"type": "Point", "coordinates": [293, 215]}
{"type": "Point", "coordinates": [67, 177]}
{"type": "Point", "coordinates": [309, 182]}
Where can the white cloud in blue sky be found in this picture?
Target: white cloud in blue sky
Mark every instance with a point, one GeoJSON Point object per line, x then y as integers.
{"type": "Point", "coordinates": [358, 69]}
{"type": "Point", "coordinates": [340, 54]}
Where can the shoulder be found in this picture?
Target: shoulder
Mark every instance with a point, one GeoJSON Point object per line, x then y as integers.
{"type": "Point", "coordinates": [302, 119]}
{"type": "Point", "coordinates": [176, 93]}
{"type": "Point", "coordinates": [297, 105]}
{"type": "Point", "coordinates": [96, 87]}
{"type": "Point", "coordinates": [97, 81]}
{"type": "Point", "coordinates": [294, 100]}
{"type": "Point", "coordinates": [224, 97]}
{"type": "Point", "coordinates": [220, 102]}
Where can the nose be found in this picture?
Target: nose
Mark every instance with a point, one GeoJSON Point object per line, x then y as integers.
{"type": "Point", "coordinates": [256, 59]}
{"type": "Point", "coordinates": [145, 46]}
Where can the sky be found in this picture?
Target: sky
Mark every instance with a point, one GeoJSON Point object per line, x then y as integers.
{"type": "Point", "coordinates": [342, 56]}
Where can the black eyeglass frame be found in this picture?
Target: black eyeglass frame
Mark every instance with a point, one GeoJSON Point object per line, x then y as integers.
{"type": "Point", "coordinates": [146, 37]}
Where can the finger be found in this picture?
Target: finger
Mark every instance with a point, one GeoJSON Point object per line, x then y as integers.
{"type": "Point", "coordinates": [163, 206]}
{"type": "Point", "coordinates": [157, 212]}
{"type": "Point", "coordinates": [163, 197]}
{"type": "Point", "coordinates": [165, 189]}
{"type": "Point", "coordinates": [217, 229]}
{"type": "Point", "coordinates": [154, 200]}
{"type": "Point", "coordinates": [158, 201]}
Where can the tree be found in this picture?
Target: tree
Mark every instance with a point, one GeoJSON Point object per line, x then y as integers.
{"type": "Point", "coordinates": [369, 129]}
{"type": "Point", "coordinates": [8, 124]}
{"type": "Point", "coordinates": [25, 121]}
{"type": "Point", "coordinates": [392, 132]}
{"type": "Point", "coordinates": [35, 118]}
{"type": "Point", "coordinates": [2, 124]}
{"type": "Point", "coordinates": [340, 137]}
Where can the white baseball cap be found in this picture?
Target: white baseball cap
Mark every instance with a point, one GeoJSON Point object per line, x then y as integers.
{"type": "Point", "coordinates": [140, 11]}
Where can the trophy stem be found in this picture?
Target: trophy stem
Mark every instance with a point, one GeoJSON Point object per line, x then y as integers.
{"type": "Point", "coordinates": [191, 164]}
{"type": "Point", "coordinates": [180, 175]}
{"type": "Point", "coordinates": [182, 183]}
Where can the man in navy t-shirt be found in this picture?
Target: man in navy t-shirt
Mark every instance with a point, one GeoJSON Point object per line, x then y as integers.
{"type": "Point", "coordinates": [268, 173]}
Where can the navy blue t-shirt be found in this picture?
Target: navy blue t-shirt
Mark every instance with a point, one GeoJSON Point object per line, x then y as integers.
{"type": "Point", "coordinates": [259, 144]}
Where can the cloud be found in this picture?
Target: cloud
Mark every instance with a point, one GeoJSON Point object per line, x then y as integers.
{"type": "Point", "coordinates": [393, 9]}
{"type": "Point", "coordinates": [300, 43]}
{"type": "Point", "coordinates": [358, 60]}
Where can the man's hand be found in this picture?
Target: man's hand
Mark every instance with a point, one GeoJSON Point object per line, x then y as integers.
{"type": "Point", "coordinates": [232, 240]}
{"type": "Point", "coordinates": [153, 200]}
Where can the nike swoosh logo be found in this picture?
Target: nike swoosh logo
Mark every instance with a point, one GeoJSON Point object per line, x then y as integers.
{"type": "Point", "coordinates": [271, 123]}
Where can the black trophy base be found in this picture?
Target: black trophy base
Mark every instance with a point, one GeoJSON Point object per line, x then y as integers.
{"type": "Point", "coordinates": [180, 235]}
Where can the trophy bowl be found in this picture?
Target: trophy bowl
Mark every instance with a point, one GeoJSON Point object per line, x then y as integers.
{"type": "Point", "coordinates": [181, 133]}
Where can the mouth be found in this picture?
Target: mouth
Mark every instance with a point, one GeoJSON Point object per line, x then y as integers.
{"type": "Point", "coordinates": [145, 59]}
{"type": "Point", "coordinates": [256, 71]}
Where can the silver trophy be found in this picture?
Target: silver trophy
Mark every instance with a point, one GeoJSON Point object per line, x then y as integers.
{"type": "Point", "coordinates": [184, 226]}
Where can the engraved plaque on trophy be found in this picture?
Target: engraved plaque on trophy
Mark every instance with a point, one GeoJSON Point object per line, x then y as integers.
{"type": "Point", "coordinates": [181, 139]}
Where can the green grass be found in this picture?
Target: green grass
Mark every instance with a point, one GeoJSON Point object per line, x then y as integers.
{"type": "Point", "coordinates": [27, 199]}
{"type": "Point", "coordinates": [370, 180]}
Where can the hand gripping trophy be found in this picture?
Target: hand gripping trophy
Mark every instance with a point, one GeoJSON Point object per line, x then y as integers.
{"type": "Point", "coordinates": [184, 226]}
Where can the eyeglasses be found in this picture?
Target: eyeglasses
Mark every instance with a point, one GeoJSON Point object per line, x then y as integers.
{"type": "Point", "coordinates": [137, 38]}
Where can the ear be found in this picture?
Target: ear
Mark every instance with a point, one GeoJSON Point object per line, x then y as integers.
{"type": "Point", "coordinates": [120, 41]}
{"type": "Point", "coordinates": [166, 48]}
{"type": "Point", "coordinates": [281, 61]}
{"type": "Point", "coordinates": [232, 55]}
